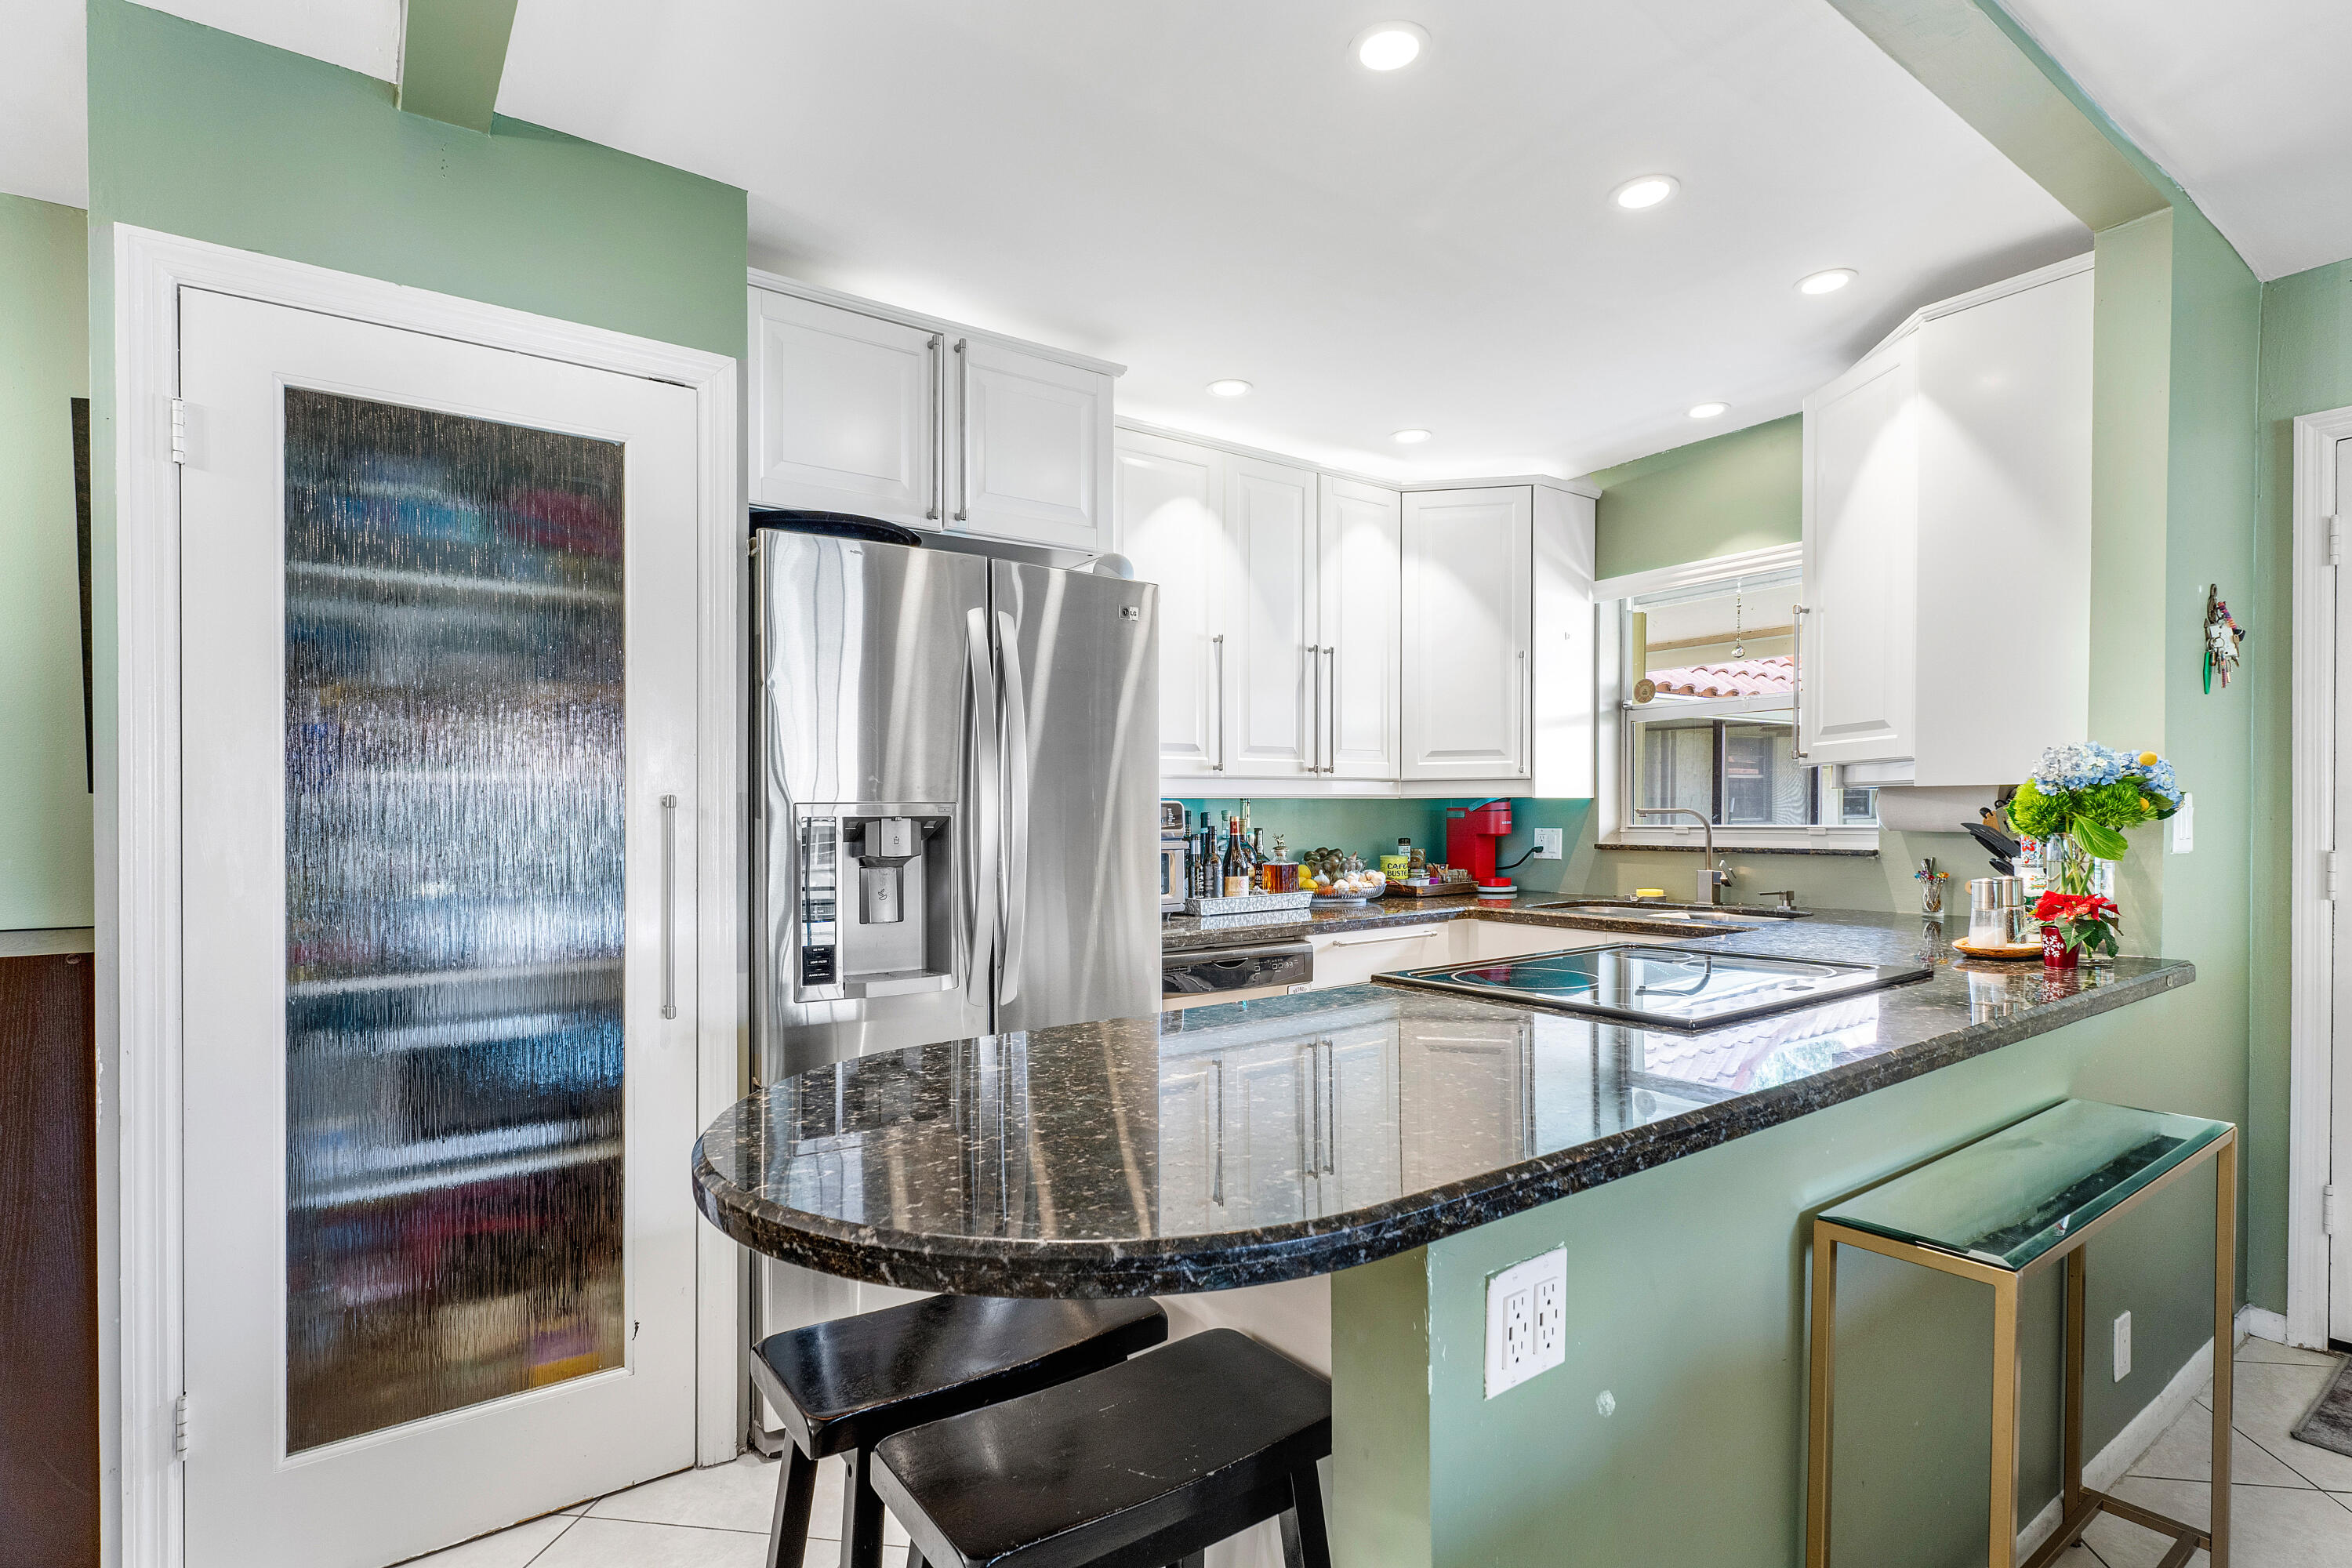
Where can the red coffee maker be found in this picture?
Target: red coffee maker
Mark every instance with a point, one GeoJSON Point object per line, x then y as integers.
{"type": "Point", "coordinates": [1471, 835]}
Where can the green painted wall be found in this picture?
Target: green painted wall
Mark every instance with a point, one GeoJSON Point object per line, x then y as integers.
{"type": "Point", "coordinates": [45, 802]}
{"type": "Point", "coordinates": [1729, 493]}
{"type": "Point", "coordinates": [206, 134]}
{"type": "Point", "coordinates": [1686, 1304]}
{"type": "Point", "coordinates": [2306, 368]}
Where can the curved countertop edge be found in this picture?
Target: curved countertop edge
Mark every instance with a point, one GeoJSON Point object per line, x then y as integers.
{"type": "Point", "coordinates": [1201, 1262]}
{"type": "Point", "coordinates": [1189, 933]}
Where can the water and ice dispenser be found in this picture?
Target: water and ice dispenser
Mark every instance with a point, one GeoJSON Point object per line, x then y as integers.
{"type": "Point", "coordinates": [877, 913]}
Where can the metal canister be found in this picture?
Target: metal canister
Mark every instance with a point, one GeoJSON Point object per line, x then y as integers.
{"type": "Point", "coordinates": [1995, 904]}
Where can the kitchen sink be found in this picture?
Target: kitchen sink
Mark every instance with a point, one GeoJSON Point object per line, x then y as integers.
{"type": "Point", "coordinates": [1663, 912]}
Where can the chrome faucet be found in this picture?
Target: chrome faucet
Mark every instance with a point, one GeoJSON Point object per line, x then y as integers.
{"type": "Point", "coordinates": [1716, 874]}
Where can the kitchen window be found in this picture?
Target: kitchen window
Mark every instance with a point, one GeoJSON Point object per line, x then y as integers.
{"type": "Point", "coordinates": [1707, 704]}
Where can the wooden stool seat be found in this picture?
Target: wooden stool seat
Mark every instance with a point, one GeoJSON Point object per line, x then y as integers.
{"type": "Point", "coordinates": [1145, 1463]}
{"type": "Point", "coordinates": [843, 1386]}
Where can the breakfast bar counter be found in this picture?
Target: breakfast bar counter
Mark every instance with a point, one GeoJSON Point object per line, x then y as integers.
{"type": "Point", "coordinates": [1268, 1141]}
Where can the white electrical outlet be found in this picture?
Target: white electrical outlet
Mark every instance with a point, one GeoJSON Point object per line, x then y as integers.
{"type": "Point", "coordinates": [2184, 824]}
{"type": "Point", "coordinates": [2122, 1346]}
{"type": "Point", "coordinates": [1547, 842]}
{"type": "Point", "coordinates": [1526, 1319]}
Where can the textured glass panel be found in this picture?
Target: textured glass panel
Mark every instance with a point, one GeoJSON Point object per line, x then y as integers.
{"type": "Point", "coordinates": [454, 774]}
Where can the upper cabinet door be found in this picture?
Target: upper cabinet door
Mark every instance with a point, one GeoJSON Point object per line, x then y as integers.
{"type": "Point", "coordinates": [1359, 545]}
{"type": "Point", "coordinates": [1170, 504]}
{"type": "Point", "coordinates": [1467, 557]}
{"type": "Point", "coordinates": [1033, 443]}
{"type": "Point", "coordinates": [1858, 639]}
{"type": "Point", "coordinates": [1270, 519]}
{"type": "Point", "coordinates": [845, 411]}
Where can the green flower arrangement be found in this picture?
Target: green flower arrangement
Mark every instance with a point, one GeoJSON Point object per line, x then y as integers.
{"type": "Point", "coordinates": [2083, 797]}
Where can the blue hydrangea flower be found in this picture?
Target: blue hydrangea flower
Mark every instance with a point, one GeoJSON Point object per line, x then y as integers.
{"type": "Point", "coordinates": [2157, 778]}
{"type": "Point", "coordinates": [2082, 765]}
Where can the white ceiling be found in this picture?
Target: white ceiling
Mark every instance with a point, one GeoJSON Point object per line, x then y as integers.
{"type": "Point", "coordinates": [2248, 106]}
{"type": "Point", "coordinates": [1214, 188]}
{"type": "Point", "coordinates": [44, 142]}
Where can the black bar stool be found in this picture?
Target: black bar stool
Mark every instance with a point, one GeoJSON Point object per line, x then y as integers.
{"type": "Point", "coordinates": [843, 1386]}
{"type": "Point", "coordinates": [1146, 1463]}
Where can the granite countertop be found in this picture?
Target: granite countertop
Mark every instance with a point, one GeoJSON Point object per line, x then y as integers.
{"type": "Point", "coordinates": [1257, 1141]}
{"type": "Point", "coordinates": [1190, 933]}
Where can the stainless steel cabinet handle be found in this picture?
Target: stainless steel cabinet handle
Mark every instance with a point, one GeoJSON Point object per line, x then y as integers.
{"type": "Point", "coordinates": [1525, 717]}
{"type": "Point", "coordinates": [963, 430]}
{"type": "Point", "coordinates": [1015, 894]}
{"type": "Point", "coordinates": [1331, 708]}
{"type": "Point", "coordinates": [1217, 646]}
{"type": "Point", "coordinates": [1311, 752]}
{"type": "Point", "coordinates": [669, 906]}
{"type": "Point", "coordinates": [937, 348]}
{"type": "Point", "coordinates": [979, 807]}
{"type": "Point", "coordinates": [1797, 614]}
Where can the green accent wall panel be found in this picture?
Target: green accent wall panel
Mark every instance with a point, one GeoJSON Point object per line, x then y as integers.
{"type": "Point", "coordinates": [202, 133]}
{"type": "Point", "coordinates": [1743, 490]}
{"type": "Point", "coordinates": [45, 801]}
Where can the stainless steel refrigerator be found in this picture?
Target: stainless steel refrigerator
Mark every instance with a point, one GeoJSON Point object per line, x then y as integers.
{"type": "Point", "coordinates": [956, 813]}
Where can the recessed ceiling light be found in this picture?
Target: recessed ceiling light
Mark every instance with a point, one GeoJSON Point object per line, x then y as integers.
{"type": "Point", "coordinates": [1644, 191]}
{"type": "Point", "coordinates": [1386, 46]}
{"type": "Point", "coordinates": [1709, 410]}
{"type": "Point", "coordinates": [1828, 282]}
{"type": "Point", "coordinates": [1230, 388]}
{"type": "Point", "coordinates": [1409, 437]}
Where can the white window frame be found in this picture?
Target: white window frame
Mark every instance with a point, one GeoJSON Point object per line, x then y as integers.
{"type": "Point", "coordinates": [1612, 782]}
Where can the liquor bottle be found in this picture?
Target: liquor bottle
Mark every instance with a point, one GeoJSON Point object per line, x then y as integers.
{"type": "Point", "coordinates": [1237, 869]}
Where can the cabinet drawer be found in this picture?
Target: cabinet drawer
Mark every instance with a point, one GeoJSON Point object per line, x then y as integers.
{"type": "Point", "coordinates": [1351, 958]}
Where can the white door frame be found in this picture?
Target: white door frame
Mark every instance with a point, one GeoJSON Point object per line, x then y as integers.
{"type": "Point", "coordinates": [2311, 723]}
{"type": "Point", "coordinates": [139, 1033]}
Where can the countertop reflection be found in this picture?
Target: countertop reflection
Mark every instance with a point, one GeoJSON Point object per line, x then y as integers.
{"type": "Point", "coordinates": [1269, 1140]}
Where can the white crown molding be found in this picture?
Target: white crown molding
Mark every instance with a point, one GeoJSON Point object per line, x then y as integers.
{"type": "Point", "coordinates": [777, 283]}
{"type": "Point", "coordinates": [2085, 262]}
{"type": "Point", "coordinates": [1578, 487]}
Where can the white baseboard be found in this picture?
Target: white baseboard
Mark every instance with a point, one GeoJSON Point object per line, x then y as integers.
{"type": "Point", "coordinates": [2105, 1469]}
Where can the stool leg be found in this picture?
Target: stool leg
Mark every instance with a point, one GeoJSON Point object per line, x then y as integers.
{"type": "Point", "coordinates": [795, 1490]}
{"type": "Point", "coordinates": [861, 1515]}
{"type": "Point", "coordinates": [1304, 1542]}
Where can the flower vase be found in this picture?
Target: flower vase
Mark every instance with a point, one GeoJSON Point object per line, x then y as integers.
{"type": "Point", "coordinates": [2055, 953]}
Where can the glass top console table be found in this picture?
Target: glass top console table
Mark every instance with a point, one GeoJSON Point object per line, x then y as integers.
{"type": "Point", "coordinates": [2024, 1199]}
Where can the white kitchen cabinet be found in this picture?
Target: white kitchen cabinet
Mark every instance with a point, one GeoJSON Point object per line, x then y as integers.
{"type": "Point", "coordinates": [1360, 556]}
{"type": "Point", "coordinates": [845, 411]}
{"type": "Point", "coordinates": [859, 407]}
{"type": "Point", "coordinates": [1269, 618]}
{"type": "Point", "coordinates": [1951, 471]}
{"type": "Point", "coordinates": [1170, 505]}
{"type": "Point", "coordinates": [1567, 643]}
{"type": "Point", "coordinates": [1483, 941]}
{"type": "Point", "coordinates": [1032, 446]}
{"type": "Point", "coordinates": [1353, 957]}
{"type": "Point", "coordinates": [1467, 608]}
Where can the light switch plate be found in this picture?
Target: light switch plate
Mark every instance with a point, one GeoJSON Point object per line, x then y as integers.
{"type": "Point", "coordinates": [2122, 1346]}
{"type": "Point", "coordinates": [1526, 1321]}
{"type": "Point", "coordinates": [2184, 824]}
{"type": "Point", "coordinates": [1547, 842]}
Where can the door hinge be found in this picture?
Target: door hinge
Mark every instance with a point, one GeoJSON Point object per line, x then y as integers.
{"type": "Point", "coordinates": [2335, 539]}
{"type": "Point", "coordinates": [2327, 1210]}
{"type": "Point", "coordinates": [180, 1427]}
{"type": "Point", "coordinates": [179, 431]}
{"type": "Point", "coordinates": [2331, 875]}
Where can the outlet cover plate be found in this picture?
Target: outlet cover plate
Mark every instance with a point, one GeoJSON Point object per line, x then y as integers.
{"type": "Point", "coordinates": [1526, 1321]}
{"type": "Point", "coordinates": [1548, 842]}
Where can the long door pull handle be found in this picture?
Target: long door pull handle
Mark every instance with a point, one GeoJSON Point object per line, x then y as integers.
{"type": "Point", "coordinates": [669, 906]}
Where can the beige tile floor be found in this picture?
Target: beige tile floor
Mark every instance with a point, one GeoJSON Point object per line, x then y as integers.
{"type": "Point", "coordinates": [2293, 1501]}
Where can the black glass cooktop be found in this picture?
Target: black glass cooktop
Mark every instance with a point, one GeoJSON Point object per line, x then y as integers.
{"type": "Point", "coordinates": [1662, 987]}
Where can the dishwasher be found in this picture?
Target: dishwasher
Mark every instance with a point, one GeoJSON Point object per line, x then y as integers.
{"type": "Point", "coordinates": [1243, 973]}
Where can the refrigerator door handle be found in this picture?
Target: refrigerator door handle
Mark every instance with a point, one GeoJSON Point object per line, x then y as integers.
{"type": "Point", "coordinates": [1013, 910]}
{"type": "Point", "coordinates": [979, 808]}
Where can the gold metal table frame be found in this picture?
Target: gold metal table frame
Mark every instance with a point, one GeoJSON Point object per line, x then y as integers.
{"type": "Point", "coordinates": [2080, 1503]}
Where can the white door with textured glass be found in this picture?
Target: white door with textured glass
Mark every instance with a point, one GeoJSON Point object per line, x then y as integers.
{"type": "Point", "coordinates": [438, 622]}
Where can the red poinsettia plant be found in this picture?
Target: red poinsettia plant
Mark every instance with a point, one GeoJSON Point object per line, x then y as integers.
{"type": "Point", "coordinates": [2084, 921]}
